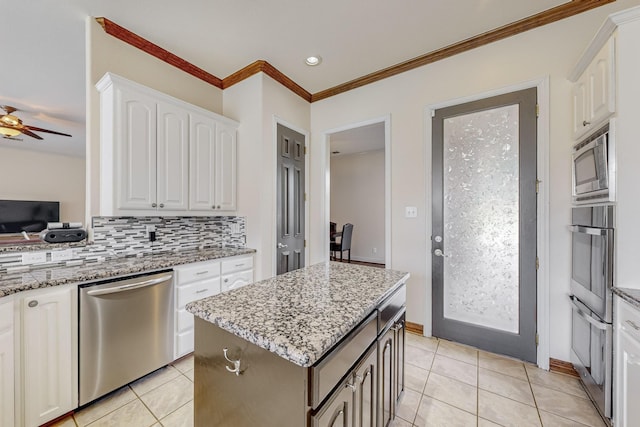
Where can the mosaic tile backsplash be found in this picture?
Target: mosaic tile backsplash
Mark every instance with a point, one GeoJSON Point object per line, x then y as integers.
{"type": "Point", "coordinates": [118, 237]}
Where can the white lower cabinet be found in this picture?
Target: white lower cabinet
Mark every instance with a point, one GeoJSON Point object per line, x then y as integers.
{"type": "Point", "coordinates": [200, 280]}
{"type": "Point", "coordinates": [7, 400]}
{"type": "Point", "coordinates": [192, 282]}
{"type": "Point", "coordinates": [627, 380]}
{"type": "Point", "coordinates": [49, 353]}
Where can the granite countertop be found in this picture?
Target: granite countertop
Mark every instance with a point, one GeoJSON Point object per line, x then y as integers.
{"type": "Point", "coordinates": [55, 276]}
{"type": "Point", "coordinates": [632, 296]}
{"type": "Point", "coordinates": [302, 314]}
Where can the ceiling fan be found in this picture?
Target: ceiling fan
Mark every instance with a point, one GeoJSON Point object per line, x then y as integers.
{"type": "Point", "coordinates": [12, 126]}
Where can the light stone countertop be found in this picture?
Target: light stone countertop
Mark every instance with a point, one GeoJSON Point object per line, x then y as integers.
{"type": "Point", "coordinates": [302, 314]}
{"type": "Point", "coordinates": [61, 275]}
{"type": "Point", "coordinates": [632, 296]}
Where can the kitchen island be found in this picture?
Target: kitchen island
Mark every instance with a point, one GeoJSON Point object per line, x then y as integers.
{"type": "Point", "coordinates": [308, 347]}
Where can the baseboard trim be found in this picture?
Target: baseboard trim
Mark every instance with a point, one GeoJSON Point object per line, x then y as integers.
{"type": "Point", "coordinates": [415, 328]}
{"type": "Point", "coordinates": [562, 367]}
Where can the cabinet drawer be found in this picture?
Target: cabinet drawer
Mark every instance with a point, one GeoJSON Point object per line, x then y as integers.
{"type": "Point", "coordinates": [390, 307]}
{"type": "Point", "coordinates": [198, 290]}
{"type": "Point", "coordinates": [185, 320]}
{"type": "Point", "coordinates": [236, 280]}
{"type": "Point", "coordinates": [334, 365]}
{"type": "Point", "coordinates": [237, 264]}
{"type": "Point", "coordinates": [197, 271]}
{"type": "Point", "coordinates": [629, 319]}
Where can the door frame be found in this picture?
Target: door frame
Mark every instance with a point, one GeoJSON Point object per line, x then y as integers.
{"type": "Point", "coordinates": [326, 171]}
{"type": "Point", "coordinates": [276, 120]}
{"type": "Point", "coordinates": [542, 228]}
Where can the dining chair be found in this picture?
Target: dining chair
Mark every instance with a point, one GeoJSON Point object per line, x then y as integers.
{"type": "Point", "coordinates": [345, 242]}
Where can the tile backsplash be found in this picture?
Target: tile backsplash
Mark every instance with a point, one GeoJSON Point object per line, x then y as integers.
{"type": "Point", "coordinates": [116, 237]}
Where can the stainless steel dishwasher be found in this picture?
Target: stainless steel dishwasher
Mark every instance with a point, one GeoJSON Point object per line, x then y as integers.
{"type": "Point", "coordinates": [125, 331]}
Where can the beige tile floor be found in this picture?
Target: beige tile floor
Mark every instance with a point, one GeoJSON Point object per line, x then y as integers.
{"type": "Point", "coordinates": [447, 384]}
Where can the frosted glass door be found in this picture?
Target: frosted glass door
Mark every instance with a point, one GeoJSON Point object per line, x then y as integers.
{"type": "Point", "coordinates": [484, 224]}
{"type": "Point", "coordinates": [481, 218]}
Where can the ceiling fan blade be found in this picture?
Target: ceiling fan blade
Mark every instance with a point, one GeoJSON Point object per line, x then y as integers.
{"type": "Point", "coordinates": [44, 130]}
{"type": "Point", "coordinates": [29, 133]}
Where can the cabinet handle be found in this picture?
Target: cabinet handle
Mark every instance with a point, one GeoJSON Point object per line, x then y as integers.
{"type": "Point", "coordinates": [585, 123]}
{"type": "Point", "coordinates": [236, 363]}
{"type": "Point", "coordinates": [33, 303]}
{"type": "Point", "coordinates": [633, 325]}
{"type": "Point", "coordinates": [162, 205]}
{"type": "Point", "coordinates": [226, 280]}
{"type": "Point", "coordinates": [202, 272]}
{"type": "Point", "coordinates": [351, 386]}
{"type": "Point", "coordinates": [202, 290]}
{"type": "Point", "coordinates": [218, 207]}
{"type": "Point", "coordinates": [153, 205]}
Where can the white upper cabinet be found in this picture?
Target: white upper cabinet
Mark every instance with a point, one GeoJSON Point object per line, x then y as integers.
{"type": "Point", "coordinates": [225, 167]}
{"type": "Point", "coordinates": [173, 157]}
{"type": "Point", "coordinates": [162, 156]}
{"type": "Point", "coordinates": [594, 91]}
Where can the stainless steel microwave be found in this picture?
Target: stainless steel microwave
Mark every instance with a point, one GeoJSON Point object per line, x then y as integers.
{"type": "Point", "coordinates": [594, 168]}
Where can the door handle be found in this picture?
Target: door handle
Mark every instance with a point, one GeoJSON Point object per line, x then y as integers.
{"type": "Point", "coordinates": [438, 252]}
{"type": "Point", "coordinates": [130, 287]}
{"type": "Point", "coordinates": [281, 246]}
{"type": "Point", "coordinates": [585, 316]}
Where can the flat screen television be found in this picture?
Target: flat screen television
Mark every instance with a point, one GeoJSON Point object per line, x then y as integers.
{"type": "Point", "coordinates": [17, 216]}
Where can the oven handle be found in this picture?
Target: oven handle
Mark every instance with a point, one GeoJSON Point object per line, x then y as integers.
{"type": "Point", "coordinates": [589, 230]}
{"type": "Point", "coordinates": [585, 316]}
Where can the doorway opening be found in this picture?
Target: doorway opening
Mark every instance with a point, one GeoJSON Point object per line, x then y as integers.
{"type": "Point", "coordinates": [357, 197]}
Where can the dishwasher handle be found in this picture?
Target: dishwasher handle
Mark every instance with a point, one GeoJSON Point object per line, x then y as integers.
{"type": "Point", "coordinates": [131, 286]}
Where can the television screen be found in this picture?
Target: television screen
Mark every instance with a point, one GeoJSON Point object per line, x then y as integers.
{"type": "Point", "coordinates": [17, 216]}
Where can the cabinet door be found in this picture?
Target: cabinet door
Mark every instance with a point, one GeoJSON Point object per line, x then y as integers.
{"type": "Point", "coordinates": [580, 107]}
{"type": "Point", "coordinates": [601, 84]}
{"type": "Point", "coordinates": [386, 396]}
{"type": "Point", "coordinates": [202, 160]}
{"type": "Point", "coordinates": [629, 381]}
{"type": "Point", "coordinates": [6, 366]}
{"type": "Point", "coordinates": [226, 168]}
{"type": "Point", "coordinates": [337, 412]}
{"type": "Point", "coordinates": [399, 328]}
{"type": "Point", "coordinates": [172, 157]}
{"type": "Point", "coordinates": [366, 406]}
{"type": "Point", "coordinates": [236, 280]}
{"type": "Point", "coordinates": [135, 156]}
{"type": "Point", "coordinates": [48, 355]}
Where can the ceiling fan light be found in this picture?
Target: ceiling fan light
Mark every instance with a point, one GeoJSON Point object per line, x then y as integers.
{"type": "Point", "coordinates": [9, 131]}
{"type": "Point", "coordinates": [11, 120]}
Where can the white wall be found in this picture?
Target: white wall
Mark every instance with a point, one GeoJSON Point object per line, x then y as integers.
{"type": "Point", "coordinates": [28, 175]}
{"type": "Point", "coordinates": [357, 196]}
{"type": "Point", "coordinates": [256, 103]}
{"type": "Point", "coordinates": [551, 51]}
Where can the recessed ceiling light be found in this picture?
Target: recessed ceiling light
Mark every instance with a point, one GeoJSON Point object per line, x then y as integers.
{"type": "Point", "coordinates": [313, 60]}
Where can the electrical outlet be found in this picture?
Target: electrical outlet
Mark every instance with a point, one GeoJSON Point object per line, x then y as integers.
{"type": "Point", "coordinates": [410, 212]}
{"type": "Point", "coordinates": [64, 255]}
{"type": "Point", "coordinates": [374, 250]}
{"type": "Point", "coordinates": [34, 258]}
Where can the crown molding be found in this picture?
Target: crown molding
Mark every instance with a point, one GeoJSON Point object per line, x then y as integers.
{"type": "Point", "coordinates": [549, 16]}
{"type": "Point", "coordinates": [152, 49]}
{"type": "Point", "coordinates": [271, 71]}
{"type": "Point", "coordinates": [534, 21]}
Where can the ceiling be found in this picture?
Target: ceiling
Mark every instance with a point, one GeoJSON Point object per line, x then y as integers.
{"type": "Point", "coordinates": [357, 140]}
{"type": "Point", "coordinates": [45, 40]}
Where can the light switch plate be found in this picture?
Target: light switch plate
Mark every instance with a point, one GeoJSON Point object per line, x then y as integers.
{"type": "Point", "coordinates": [410, 212]}
{"type": "Point", "coordinates": [34, 257]}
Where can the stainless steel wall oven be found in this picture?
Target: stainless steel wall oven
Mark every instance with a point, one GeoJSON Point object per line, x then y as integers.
{"type": "Point", "coordinates": [591, 296]}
